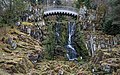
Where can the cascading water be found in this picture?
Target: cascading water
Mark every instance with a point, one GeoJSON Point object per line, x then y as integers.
{"type": "Point", "coordinates": [57, 32]}
{"type": "Point", "coordinates": [71, 52]}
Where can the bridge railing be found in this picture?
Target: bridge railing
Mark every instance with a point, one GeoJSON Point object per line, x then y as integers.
{"type": "Point", "coordinates": [61, 8]}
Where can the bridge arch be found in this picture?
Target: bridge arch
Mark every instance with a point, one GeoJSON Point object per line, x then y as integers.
{"type": "Point", "coordinates": [62, 10]}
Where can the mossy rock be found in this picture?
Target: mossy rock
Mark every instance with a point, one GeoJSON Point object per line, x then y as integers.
{"type": "Point", "coordinates": [21, 65]}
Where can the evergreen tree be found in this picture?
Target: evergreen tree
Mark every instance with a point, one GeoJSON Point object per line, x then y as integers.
{"type": "Point", "coordinates": [50, 41]}
{"type": "Point", "coordinates": [12, 13]}
{"type": "Point", "coordinates": [112, 21]}
{"type": "Point", "coordinates": [80, 44]}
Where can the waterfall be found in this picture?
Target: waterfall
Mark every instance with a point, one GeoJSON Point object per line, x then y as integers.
{"type": "Point", "coordinates": [71, 52]}
{"type": "Point", "coordinates": [92, 44]}
{"type": "Point", "coordinates": [57, 32]}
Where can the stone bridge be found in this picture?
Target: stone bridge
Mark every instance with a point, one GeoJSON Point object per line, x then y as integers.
{"type": "Point", "coordinates": [62, 10]}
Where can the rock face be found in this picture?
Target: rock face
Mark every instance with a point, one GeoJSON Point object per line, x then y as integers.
{"type": "Point", "coordinates": [109, 62]}
{"type": "Point", "coordinates": [17, 60]}
{"type": "Point", "coordinates": [59, 68]}
{"type": "Point", "coordinates": [17, 65]}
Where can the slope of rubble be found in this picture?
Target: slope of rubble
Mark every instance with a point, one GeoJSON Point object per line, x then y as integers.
{"type": "Point", "coordinates": [16, 59]}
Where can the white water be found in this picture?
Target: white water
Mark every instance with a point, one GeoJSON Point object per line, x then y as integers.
{"type": "Point", "coordinates": [57, 32]}
{"type": "Point", "coordinates": [71, 52]}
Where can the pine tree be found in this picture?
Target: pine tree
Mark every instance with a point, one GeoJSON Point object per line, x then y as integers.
{"type": "Point", "coordinates": [80, 44]}
{"type": "Point", "coordinates": [112, 21]}
{"type": "Point", "coordinates": [13, 11]}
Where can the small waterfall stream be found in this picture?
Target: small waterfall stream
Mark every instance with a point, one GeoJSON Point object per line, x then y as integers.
{"type": "Point", "coordinates": [71, 52]}
{"type": "Point", "coordinates": [57, 32]}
